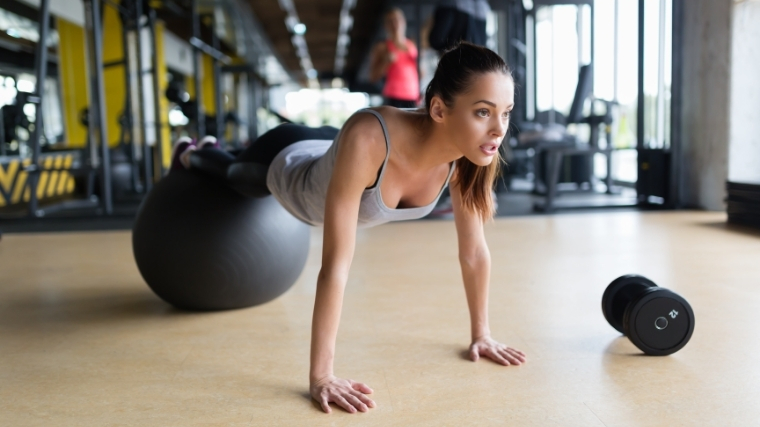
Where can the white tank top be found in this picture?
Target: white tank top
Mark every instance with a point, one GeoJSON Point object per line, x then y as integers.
{"type": "Point", "coordinates": [299, 175]}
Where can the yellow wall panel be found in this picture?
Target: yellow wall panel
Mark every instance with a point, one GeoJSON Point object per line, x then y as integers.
{"type": "Point", "coordinates": [20, 184]}
{"type": "Point", "coordinates": [52, 183]}
{"type": "Point", "coordinates": [7, 173]}
{"type": "Point", "coordinates": [190, 86]}
{"type": "Point", "coordinates": [114, 81]}
{"type": "Point", "coordinates": [72, 63]}
{"type": "Point", "coordinates": [163, 82]}
{"type": "Point", "coordinates": [208, 85]}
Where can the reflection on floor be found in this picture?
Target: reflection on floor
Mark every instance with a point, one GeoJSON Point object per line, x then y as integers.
{"type": "Point", "coordinates": [83, 341]}
{"type": "Point", "coordinates": [516, 203]}
{"type": "Point", "coordinates": [518, 200]}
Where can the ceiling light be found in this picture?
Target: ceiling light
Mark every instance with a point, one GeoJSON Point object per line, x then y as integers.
{"type": "Point", "coordinates": [341, 47]}
{"type": "Point", "coordinates": [299, 28]}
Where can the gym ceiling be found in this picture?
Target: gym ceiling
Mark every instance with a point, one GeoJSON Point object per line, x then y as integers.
{"type": "Point", "coordinates": [322, 21]}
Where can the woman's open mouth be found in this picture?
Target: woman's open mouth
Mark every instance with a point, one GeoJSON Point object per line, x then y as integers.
{"type": "Point", "coordinates": [489, 149]}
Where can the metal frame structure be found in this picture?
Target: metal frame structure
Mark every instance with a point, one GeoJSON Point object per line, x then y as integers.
{"type": "Point", "coordinates": [218, 101]}
{"type": "Point", "coordinates": [97, 119]}
{"type": "Point", "coordinates": [672, 155]}
{"type": "Point", "coordinates": [40, 67]}
{"type": "Point", "coordinates": [676, 100]}
{"type": "Point", "coordinates": [34, 169]}
{"type": "Point", "coordinates": [158, 168]}
{"type": "Point", "coordinates": [100, 162]}
{"type": "Point", "coordinates": [255, 85]}
{"type": "Point", "coordinates": [2, 135]}
{"type": "Point", "coordinates": [531, 82]}
{"type": "Point", "coordinates": [127, 128]}
{"type": "Point", "coordinates": [145, 162]}
{"type": "Point", "coordinates": [555, 153]}
{"type": "Point", "coordinates": [217, 57]}
{"type": "Point", "coordinates": [147, 154]}
{"type": "Point", "coordinates": [198, 70]}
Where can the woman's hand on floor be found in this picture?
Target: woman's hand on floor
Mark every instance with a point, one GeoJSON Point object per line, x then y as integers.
{"type": "Point", "coordinates": [349, 395]}
{"type": "Point", "coordinates": [496, 351]}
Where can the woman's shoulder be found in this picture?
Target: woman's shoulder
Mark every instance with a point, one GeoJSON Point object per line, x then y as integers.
{"type": "Point", "coordinates": [381, 46]}
{"type": "Point", "coordinates": [364, 121]}
{"type": "Point", "coordinates": [391, 117]}
{"type": "Point", "coordinates": [363, 132]}
{"type": "Point", "coordinates": [411, 46]}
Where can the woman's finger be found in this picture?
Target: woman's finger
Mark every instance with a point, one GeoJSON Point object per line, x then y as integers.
{"type": "Point", "coordinates": [510, 357]}
{"type": "Point", "coordinates": [474, 354]}
{"type": "Point", "coordinates": [325, 404]}
{"type": "Point", "coordinates": [363, 397]}
{"type": "Point", "coordinates": [494, 355]}
{"type": "Point", "coordinates": [364, 388]}
{"type": "Point", "coordinates": [343, 403]}
{"type": "Point", "coordinates": [356, 402]}
{"type": "Point", "coordinates": [518, 354]}
{"type": "Point", "coordinates": [515, 353]}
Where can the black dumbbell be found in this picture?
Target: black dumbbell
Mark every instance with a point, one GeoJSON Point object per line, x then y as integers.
{"type": "Point", "coordinates": [656, 320]}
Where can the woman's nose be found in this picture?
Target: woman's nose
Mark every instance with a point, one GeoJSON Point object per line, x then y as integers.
{"type": "Point", "coordinates": [500, 127]}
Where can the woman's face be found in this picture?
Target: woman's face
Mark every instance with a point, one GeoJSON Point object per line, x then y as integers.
{"type": "Point", "coordinates": [479, 118]}
{"type": "Point", "coordinates": [395, 24]}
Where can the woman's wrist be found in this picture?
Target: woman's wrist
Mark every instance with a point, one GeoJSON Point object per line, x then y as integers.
{"type": "Point", "coordinates": [480, 334]}
{"type": "Point", "coordinates": [316, 379]}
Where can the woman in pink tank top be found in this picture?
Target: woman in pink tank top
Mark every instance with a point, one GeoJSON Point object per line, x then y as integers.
{"type": "Point", "coordinates": [396, 60]}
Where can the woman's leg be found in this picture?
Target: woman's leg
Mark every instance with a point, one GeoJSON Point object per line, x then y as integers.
{"type": "Point", "coordinates": [248, 173]}
{"type": "Point", "coordinates": [184, 147]}
{"type": "Point", "coordinates": [180, 152]}
{"type": "Point", "coordinates": [268, 145]}
{"type": "Point", "coordinates": [211, 160]}
{"type": "Point", "coordinates": [249, 181]}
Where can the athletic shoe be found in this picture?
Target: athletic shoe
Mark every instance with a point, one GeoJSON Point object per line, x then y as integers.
{"type": "Point", "coordinates": [209, 141]}
{"type": "Point", "coordinates": [180, 147]}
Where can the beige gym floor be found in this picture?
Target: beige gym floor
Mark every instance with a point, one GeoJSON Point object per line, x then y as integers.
{"type": "Point", "coordinates": [84, 342]}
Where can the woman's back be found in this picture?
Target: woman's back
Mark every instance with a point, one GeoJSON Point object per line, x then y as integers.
{"type": "Point", "coordinates": [300, 174]}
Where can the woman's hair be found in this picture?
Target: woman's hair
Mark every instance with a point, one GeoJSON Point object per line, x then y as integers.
{"type": "Point", "coordinates": [457, 70]}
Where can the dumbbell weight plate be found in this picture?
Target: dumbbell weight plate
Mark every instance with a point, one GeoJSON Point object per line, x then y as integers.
{"type": "Point", "coordinates": [618, 294]}
{"type": "Point", "coordinates": [659, 322]}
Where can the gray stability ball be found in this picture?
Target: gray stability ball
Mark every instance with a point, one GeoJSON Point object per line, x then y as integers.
{"type": "Point", "coordinates": [201, 246]}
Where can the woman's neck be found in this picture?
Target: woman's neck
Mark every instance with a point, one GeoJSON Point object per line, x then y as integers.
{"type": "Point", "coordinates": [398, 39]}
{"type": "Point", "coordinates": [431, 146]}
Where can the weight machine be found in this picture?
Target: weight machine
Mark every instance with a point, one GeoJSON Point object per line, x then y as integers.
{"type": "Point", "coordinates": [135, 17]}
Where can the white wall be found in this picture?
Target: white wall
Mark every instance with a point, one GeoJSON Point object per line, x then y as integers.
{"type": "Point", "coordinates": [705, 108]}
{"type": "Point", "coordinates": [178, 54]}
{"type": "Point", "coordinates": [744, 151]}
{"type": "Point", "coordinates": [70, 10]}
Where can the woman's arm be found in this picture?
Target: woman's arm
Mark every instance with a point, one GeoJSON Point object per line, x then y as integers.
{"type": "Point", "coordinates": [475, 261]}
{"type": "Point", "coordinates": [381, 60]}
{"type": "Point", "coordinates": [359, 156]}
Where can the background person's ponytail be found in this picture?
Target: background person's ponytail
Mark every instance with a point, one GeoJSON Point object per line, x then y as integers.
{"type": "Point", "coordinates": [456, 72]}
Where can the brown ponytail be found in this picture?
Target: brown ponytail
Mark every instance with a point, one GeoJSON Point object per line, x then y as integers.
{"type": "Point", "coordinates": [457, 69]}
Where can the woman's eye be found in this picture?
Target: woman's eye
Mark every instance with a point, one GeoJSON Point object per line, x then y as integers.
{"type": "Point", "coordinates": [507, 114]}
{"type": "Point", "coordinates": [482, 113]}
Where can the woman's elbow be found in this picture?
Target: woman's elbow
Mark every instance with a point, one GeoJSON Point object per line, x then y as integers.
{"type": "Point", "coordinates": [475, 258]}
{"type": "Point", "coordinates": [330, 275]}
{"type": "Point", "coordinates": [374, 77]}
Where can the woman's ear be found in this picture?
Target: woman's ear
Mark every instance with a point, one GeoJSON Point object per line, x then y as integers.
{"type": "Point", "coordinates": [437, 109]}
